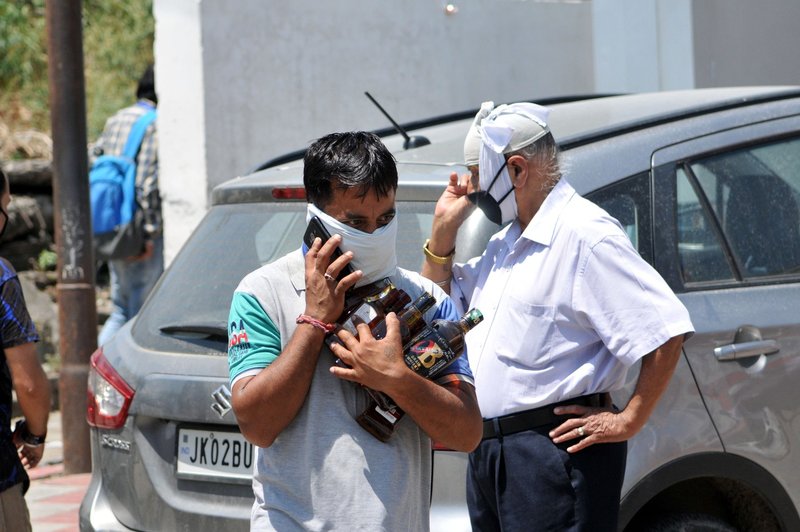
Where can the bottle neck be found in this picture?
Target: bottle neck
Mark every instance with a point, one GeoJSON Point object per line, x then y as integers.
{"type": "Point", "coordinates": [411, 315]}
{"type": "Point", "coordinates": [469, 320]}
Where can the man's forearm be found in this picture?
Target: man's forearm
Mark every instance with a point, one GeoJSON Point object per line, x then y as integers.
{"type": "Point", "coordinates": [441, 244]}
{"type": "Point", "coordinates": [35, 405]}
{"type": "Point", "coordinates": [448, 413]}
{"type": "Point", "coordinates": [266, 403]}
{"type": "Point", "coordinates": [654, 376]}
{"type": "Point", "coordinates": [31, 386]}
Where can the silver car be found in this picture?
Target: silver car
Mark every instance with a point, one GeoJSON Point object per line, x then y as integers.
{"type": "Point", "coordinates": [706, 184]}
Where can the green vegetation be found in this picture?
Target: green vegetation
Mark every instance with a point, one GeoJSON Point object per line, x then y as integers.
{"type": "Point", "coordinates": [47, 260]}
{"type": "Point", "coordinates": [117, 44]}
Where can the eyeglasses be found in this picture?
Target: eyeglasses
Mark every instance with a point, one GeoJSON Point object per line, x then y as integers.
{"type": "Point", "coordinates": [486, 203]}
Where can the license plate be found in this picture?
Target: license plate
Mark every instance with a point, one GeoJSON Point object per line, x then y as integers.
{"type": "Point", "coordinates": [214, 455]}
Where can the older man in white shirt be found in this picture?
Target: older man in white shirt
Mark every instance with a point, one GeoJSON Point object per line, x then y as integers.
{"type": "Point", "coordinates": [569, 307]}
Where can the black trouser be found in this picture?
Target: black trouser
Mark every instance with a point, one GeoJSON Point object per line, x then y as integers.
{"type": "Point", "coordinates": [525, 482]}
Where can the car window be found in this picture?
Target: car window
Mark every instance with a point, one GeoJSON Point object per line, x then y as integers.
{"type": "Point", "coordinates": [702, 254]}
{"type": "Point", "coordinates": [629, 202]}
{"type": "Point", "coordinates": [192, 300]}
{"type": "Point", "coordinates": [754, 192]}
{"type": "Point", "coordinates": [278, 233]}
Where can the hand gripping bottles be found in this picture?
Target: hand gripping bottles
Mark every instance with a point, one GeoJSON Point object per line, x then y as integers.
{"type": "Point", "coordinates": [427, 353]}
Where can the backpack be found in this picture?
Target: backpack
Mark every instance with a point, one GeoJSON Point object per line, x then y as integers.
{"type": "Point", "coordinates": [117, 222]}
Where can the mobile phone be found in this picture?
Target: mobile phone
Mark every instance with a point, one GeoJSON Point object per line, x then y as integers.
{"type": "Point", "coordinates": [317, 229]}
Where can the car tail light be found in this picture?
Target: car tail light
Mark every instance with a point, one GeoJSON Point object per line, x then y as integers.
{"type": "Point", "coordinates": [109, 395]}
{"type": "Point", "coordinates": [289, 193]}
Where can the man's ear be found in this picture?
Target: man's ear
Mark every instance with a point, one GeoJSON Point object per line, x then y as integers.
{"type": "Point", "coordinates": [518, 170]}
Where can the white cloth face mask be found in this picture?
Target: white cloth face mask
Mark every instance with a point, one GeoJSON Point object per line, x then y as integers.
{"type": "Point", "coordinates": [496, 198]}
{"type": "Point", "coordinates": [375, 254]}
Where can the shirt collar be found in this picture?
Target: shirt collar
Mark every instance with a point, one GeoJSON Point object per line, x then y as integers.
{"type": "Point", "coordinates": [543, 224]}
{"type": "Point", "coordinates": [298, 275]}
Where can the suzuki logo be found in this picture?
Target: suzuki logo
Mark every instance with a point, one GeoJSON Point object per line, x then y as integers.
{"type": "Point", "coordinates": [222, 401]}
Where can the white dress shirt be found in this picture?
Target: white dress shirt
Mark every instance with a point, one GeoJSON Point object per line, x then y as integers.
{"type": "Point", "coordinates": [568, 305]}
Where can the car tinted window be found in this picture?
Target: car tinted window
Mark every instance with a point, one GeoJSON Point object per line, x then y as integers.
{"type": "Point", "coordinates": [701, 253]}
{"type": "Point", "coordinates": [629, 202]}
{"type": "Point", "coordinates": [754, 192]}
{"type": "Point", "coordinates": [189, 308]}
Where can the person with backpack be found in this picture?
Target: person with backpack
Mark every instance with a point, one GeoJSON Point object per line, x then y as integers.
{"type": "Point", "coordinates": [133, 269]}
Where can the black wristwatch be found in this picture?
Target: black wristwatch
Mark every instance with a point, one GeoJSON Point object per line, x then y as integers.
{"type": "Point", "coordinates": [27, 438]}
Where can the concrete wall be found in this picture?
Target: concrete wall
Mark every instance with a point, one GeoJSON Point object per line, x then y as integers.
{"type": "Point", "coordinates": [183, 157]}
{"type": "Point", "coordinates": [642, 45]}
{"type": "Point", "coordinates": [242, 81]}
{"type": "Point", "coordinates": [279, 74]}
{"type": "Point", "coordinates": [746, 42]}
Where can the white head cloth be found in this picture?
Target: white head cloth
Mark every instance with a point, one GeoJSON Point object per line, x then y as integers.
{"type": "Point", "coordinates": [495, 132]}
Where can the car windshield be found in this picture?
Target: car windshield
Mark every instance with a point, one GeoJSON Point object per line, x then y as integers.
{"type": "Point", "coordinates": [188, 310]}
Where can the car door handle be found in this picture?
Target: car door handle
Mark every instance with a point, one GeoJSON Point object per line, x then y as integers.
{"type": "Point", "coordinates": [744, 350]}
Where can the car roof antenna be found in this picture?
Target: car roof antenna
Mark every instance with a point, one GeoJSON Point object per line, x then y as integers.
{"type": "Point", "coordinates": [410, 142]}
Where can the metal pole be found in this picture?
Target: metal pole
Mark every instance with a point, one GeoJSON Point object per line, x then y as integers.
{"type": "Point", "coordinates": [77, 311]}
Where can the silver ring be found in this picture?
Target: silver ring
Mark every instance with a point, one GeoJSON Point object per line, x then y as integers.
{"type": "Point", "coordinates": [580, 431]}
{"type": "Point", "coordinates": [328, 277]}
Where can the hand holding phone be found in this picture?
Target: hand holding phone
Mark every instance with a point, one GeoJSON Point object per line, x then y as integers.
{"type": "Point", "coordinates": [317, 229]}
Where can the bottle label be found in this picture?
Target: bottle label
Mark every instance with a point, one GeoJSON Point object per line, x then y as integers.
{"type": "Point", "coordinates": [365, 312]}
{"type": "Point", "coordinates": [387, 414]}
{"type": "Point", "coordinates": [429, 353]}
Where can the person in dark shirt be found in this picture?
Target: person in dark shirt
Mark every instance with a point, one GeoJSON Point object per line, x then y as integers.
{"type": "Point", "coordinates": [21, 371]}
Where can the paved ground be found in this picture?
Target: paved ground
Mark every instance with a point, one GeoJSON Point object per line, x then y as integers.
{"type": "Point", "coordinates": [54, 498]}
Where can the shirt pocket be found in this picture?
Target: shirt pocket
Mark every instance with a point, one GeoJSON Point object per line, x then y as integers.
{"type": "Point", "coordinates": [526, 334]}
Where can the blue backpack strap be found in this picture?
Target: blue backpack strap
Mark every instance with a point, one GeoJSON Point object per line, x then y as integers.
{"type": "Point", "coordinates": [132, 145]}
{"type": "Point", "coordinates": [136, 136]}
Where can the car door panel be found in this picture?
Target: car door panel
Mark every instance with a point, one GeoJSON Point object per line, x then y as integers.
{"type": "Point", "coordinates": [754, 401]}
{"type": "Point", "coordinates": [680, 424]}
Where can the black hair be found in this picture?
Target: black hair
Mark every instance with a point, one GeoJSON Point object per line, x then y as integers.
{"type": "Point", "coordinates": [146, 88]}
{"type": "Point", "coordinates": [355, 159]}
{"type": "Point", "coordinates": [3, 180]}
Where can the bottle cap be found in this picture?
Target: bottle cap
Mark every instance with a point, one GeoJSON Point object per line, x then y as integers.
{"type": "Point", "coordinates": [473, 317]}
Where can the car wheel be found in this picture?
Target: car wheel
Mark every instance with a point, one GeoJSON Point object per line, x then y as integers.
{"type": "Point", "coordinates": [690, 522]}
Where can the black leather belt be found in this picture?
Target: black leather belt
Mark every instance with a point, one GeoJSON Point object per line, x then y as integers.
{"type": "Point", "coordinates": [536, 417]}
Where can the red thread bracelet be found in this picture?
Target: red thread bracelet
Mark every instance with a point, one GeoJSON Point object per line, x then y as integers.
{"type": "Point", "coordinates": [327, 327]}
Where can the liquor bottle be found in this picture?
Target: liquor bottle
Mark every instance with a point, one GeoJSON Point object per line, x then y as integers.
{"type": "Point", "coordinates": [411, 319]}
{"type": "Point", "coordinates": [354, 297]}
{"type": "Point", "coordinates": [439, 344]}
{"type": "Point", "coordinates": [380, 420]}
{"type": "Point", "coordinates": [433, 349]}
{"type": "Point", "coordinates": [375, 310]}
{"type": "Point", "coordinates": [371, 310]}
{"type": "Point", "coordinates": [382, 414]}
{"type": "Point", "coordinates": [411, 323]}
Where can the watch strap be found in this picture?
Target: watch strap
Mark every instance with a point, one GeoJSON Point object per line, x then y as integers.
{"type": "Point", "coordinates": [28, 438]}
